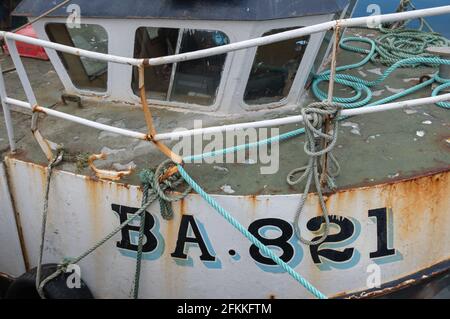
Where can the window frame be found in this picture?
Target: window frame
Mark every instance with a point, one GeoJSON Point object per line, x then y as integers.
{"type": "Point", "coordinates": [223, 79]}
{"type": "Point", "coordinates": [60, 63]}
{"type": "Point", "coordinates": [297, 88]}
{"type": "Point", "coordinates": [285, 99]}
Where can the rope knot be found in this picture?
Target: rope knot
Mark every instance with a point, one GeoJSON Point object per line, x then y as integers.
{"type": "Point", "coordinates": [319, 143]}
{"type": "Point", "coordinates": [147, 176]}
{"type": "Point", "coordinates": [314, 116]}
{"type": "Point", "coordinates": [65, 263]}
{"type": "Point", "coordinates": [153, 185]}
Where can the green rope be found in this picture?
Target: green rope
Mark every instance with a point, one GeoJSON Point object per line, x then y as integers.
{"type": "Point", "coordinates": [152, 186]}
{"type": "Point", "coordinates": [363, 94]}
{"type": "Point", "coordinates": [399, 44]}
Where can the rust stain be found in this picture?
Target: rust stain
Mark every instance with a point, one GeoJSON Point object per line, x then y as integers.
{"type": "Point", "coordinates": [420, 199]}
{"type": "Point", "coordinates": [253, 205]}
{"type": "Point", "coordinates": [25, 254]}
{"type": "Point", "coordinates": [42, 171]}
{"type": "Point", "coordinates": [182, 204]}
{"type": "Point", "coordinates": [170, 235]}
{"type": "Point", "coordinates": [93, 190]}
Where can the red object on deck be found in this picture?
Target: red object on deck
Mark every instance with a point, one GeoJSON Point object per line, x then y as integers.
{"type": "Point", "coordinates": [28, 50]}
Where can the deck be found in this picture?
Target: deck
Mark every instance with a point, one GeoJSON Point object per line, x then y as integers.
{"type": "Point", "coordinates": [372, 149]}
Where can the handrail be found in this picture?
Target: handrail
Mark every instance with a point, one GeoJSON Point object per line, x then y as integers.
{"type": "Point", "coordinates": [300, 32]}
{"type": "Point", "coordinates": [71, 50]}
{"type": "Point", "coordinates": [227, 128]}
{"type": "Point", "coordinates": [6, 101]}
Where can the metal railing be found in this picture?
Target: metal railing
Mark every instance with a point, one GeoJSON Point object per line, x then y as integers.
{"type": "Point", "coordinates": [31, 103]}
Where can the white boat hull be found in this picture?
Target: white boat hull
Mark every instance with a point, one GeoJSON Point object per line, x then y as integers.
{"type": "Point", "coordinates": [384, 232]}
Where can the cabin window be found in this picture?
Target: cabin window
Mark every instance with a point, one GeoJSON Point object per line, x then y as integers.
{"type": "Point", "coordinates": [274, 69]}
{"type": "Point", "coordinates": [193, 82]}
{"type": "Point", "coordinates": [85, 73]}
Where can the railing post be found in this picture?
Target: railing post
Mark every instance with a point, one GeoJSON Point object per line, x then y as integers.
{"type": "Point", "coordinates": [21, 73]}
{"type": "Point", "coordinates": [43, 143]}
{"type": "Point", "coordinates": [7, 113]}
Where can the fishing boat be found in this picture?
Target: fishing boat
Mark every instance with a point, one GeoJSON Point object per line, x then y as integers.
{"type": "Point", "coordinates": [223, 149]}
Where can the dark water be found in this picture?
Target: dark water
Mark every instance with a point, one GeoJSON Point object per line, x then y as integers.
{"type": "Point", "coordinates": [440, 287]}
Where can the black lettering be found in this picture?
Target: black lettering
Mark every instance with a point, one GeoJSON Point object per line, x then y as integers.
{"type": "Point", "coordinates": [186, 221]}
{"type": "Point", "coordinates": [282, 241]}
{"type": "Point", "coordinates": [149, 244]}
{"type": "Point", "coordinates": [346, 231]}
{"type": "Point", "coordinates": [382, 233]}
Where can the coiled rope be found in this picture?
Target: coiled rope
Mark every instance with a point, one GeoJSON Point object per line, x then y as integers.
{"type": "Point", "coordinates": [363, 94]}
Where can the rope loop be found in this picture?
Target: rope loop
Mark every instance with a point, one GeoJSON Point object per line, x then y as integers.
{"type": "Point", "coordinates": [314, 117]}
{"type": "Point", "coordinates": [151, 180]}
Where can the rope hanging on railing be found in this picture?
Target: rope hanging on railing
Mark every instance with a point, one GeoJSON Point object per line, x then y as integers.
{"type": "Point", "coordinates": [154, 187]}
{"type": "Point", "coordinates": [315, 115]}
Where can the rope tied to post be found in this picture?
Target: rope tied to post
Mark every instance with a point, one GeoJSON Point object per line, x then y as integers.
{"type": "Point", "coordinates": [152, 183]}
{"type": "Point", "coordinates": [314, 117]}
{"type": "Point", "coordinates": [155, 186]}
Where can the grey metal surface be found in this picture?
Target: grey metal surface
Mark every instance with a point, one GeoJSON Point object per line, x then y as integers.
{"type": "Point", "coordinates": [246, 10]}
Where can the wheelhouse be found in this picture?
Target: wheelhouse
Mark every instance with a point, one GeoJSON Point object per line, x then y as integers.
{"type": "Point", "coordinates": [260, 78]}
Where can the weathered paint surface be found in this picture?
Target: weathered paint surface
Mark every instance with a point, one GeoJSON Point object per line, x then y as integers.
{"type": "Point", "coordinates": [11, 260]}
{"type": "Point", "coordinates": [80, 213]}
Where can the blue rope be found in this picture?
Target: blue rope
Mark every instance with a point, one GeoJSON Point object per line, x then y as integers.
{"type": "Point", "coordinates": [274, 139]}
{"type": "Point", "coordinates": [267, 251]}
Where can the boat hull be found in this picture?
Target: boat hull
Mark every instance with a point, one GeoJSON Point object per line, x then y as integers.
{"type": "Point", "coordinates": [380, 234]}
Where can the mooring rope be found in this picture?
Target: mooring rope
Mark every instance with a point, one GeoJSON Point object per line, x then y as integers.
{"type": "Point", "coordinates": [236, 224]}
{"type": "Point", "coordinates": [53, 163]}
{"type": "Point", "coordinates": [152, 186]}
{"type": "Point", "coordinates": [153, 190]}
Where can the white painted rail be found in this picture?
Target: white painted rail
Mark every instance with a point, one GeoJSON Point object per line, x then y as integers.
{"type": "Point", "coordinates": [12, 38]}
{"type": "Point", "coordinates": [299, 118]}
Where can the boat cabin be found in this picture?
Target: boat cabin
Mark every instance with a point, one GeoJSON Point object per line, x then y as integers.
{"type": "Point", "coordinates": [261, 78]}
